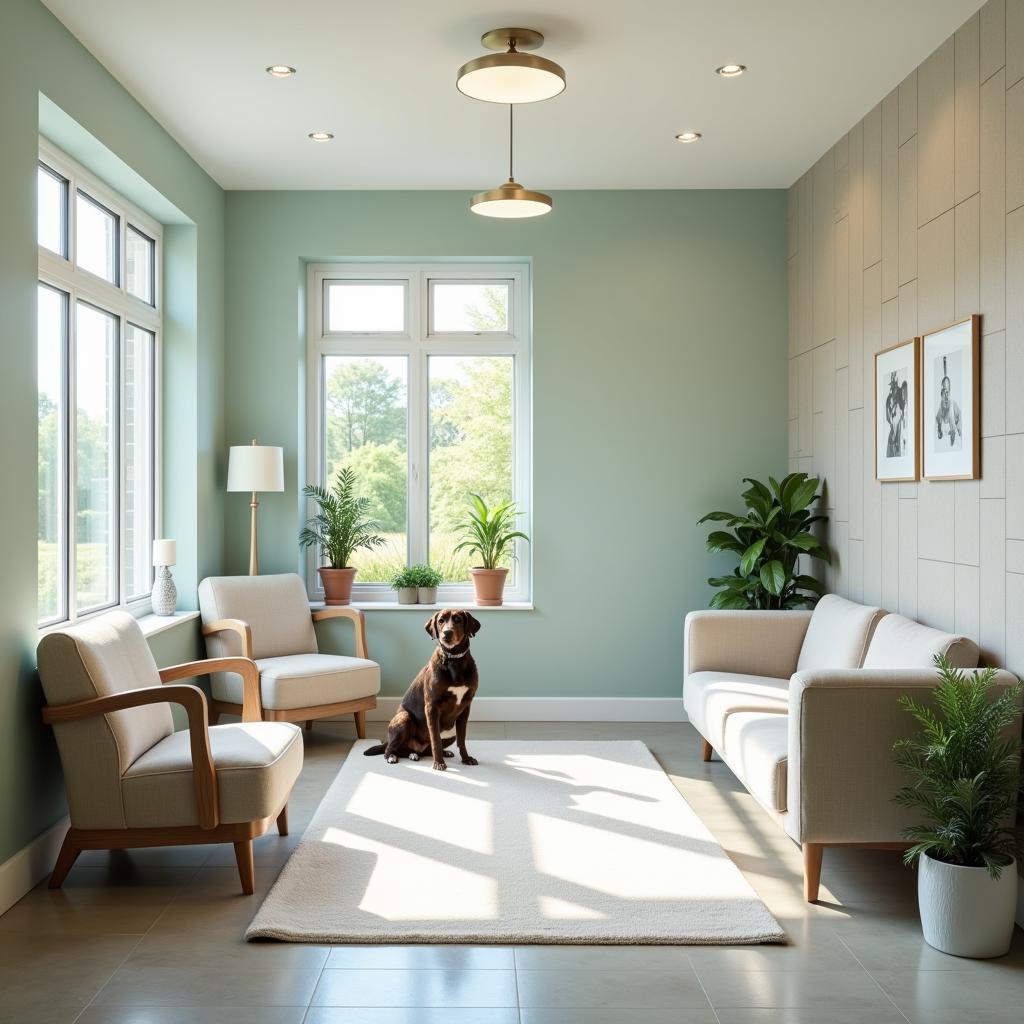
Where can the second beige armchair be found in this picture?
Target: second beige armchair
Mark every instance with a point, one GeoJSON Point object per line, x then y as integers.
{"type": "Point", "coordinates": [268, 619]}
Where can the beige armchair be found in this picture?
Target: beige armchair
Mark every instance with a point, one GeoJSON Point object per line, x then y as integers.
{"type": "Point", "coordinates": [268, 619]}
{"type": "Point", "coordinates": [131, 780]}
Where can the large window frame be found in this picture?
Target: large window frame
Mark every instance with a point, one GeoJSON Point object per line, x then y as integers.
{"type": "Point", "coordinates": [417, 343]}
{"type": "Point", "coordinates": [60, 272]}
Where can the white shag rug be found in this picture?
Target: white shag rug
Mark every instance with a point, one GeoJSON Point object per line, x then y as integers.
{"type": "Point", "coordinates": [542, 842]}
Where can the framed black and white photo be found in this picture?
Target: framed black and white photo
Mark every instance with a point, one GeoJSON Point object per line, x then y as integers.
{"type": "Point", "coordinates": [897, 438]}
{"type": "Point", "coordinates": [951, 402]}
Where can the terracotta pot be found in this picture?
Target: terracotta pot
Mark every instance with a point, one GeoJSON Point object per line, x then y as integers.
{"type": "Point", "coordinates": [337, 585]}
{"type": "Point", "coordinates": [489, 585]}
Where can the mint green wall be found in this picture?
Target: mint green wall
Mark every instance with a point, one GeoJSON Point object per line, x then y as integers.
{"type": "Point", "coordinates": [45, 73]}
{"type": "Point", "coordinates": [659, 381]}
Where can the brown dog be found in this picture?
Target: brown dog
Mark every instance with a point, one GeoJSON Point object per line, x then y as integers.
{"type": "Point", "coordinates": [435, 708]}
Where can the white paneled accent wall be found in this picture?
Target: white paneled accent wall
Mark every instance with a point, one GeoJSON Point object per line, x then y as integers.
{"type": "Point", "coordinates": [913, 219]}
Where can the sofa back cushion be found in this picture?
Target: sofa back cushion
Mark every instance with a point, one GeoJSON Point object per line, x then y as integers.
{"type": "Point", "coordinates": [838, 634]}
{"type": "Point", "coordinates": [900, 642]}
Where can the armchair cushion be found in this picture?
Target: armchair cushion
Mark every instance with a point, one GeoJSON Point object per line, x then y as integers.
{"type": "Point", "coordinates": [902, 643]}
{"type": "Point", "coordinates": [305, 681]}
{"type": "Point", "coordinates": [758, 753]}
{"type": "Point", "coordinates": [710, 698]}
{"type": "Point", "coordinates": [838, 634]}
{"type": "Point", "coordinates": [276, 607]}
{"type": "Point", "coordinates": [257, 764]}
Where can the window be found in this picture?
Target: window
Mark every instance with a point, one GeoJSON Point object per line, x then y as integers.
{"type": "Point", "coordinates": [98, 343]}
{"type": "Point", "coordinates": [420, 382]}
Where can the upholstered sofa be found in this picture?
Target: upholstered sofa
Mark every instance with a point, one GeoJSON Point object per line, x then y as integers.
{"type": "Point", "coordinates": [802, 706]}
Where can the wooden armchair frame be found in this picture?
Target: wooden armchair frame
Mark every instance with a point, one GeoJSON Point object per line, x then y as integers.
{"type": "Point", "coordinates": [357, 708]}
{"type": "Point", "coordinates": [210, 828]}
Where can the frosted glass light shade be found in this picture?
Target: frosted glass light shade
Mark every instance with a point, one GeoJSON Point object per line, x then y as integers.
{"type": "Point", "coordinates": [510, 78]}
{"type": "Point", "coordinates": [510, 200]}
{"type": "Point", "coordinates": [255, 467]}
{"type": "Point", "coordinates": [165, 552]}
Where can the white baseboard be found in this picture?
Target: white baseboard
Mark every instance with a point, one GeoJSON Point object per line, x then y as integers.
{"type": "Point", "coordinates": [30, 865]}
{"type": "Point", "coordinates": [559, 709]}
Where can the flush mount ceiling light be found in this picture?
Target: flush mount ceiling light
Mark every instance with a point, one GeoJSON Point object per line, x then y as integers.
{"type": "Point", "coordinates": [280, 71]}
{"type": "Point", "coordinates": [512, 76]}
{"type": "Point", "coordinates": [321, 136]}
{"type": "Point", "coordinates": [510, 200]}
{"type": "Point", "coordinates": [731, 70]}
{"type": "Point", "coordinates": [688, 137]}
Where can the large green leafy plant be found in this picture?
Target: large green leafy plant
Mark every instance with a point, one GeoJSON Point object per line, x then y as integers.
{"type": "Point", "coordinates": [769, 539]}
{"type": "Point", "coordinates": [489, 531]}
{"type": "Point", "coordinates": [965, 775]}
{"type": "Point", "coordinates": [342, 523]}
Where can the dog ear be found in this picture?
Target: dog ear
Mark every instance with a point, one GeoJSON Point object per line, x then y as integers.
{"type": "Point", "coordinates": [431, 626]}
{"type": "Point", "coordinates": [472, 625]}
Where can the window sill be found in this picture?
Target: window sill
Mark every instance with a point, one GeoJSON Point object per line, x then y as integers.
{"type": "Point", "coordinates": [151, 625]}
{"type": "Point", "coordinates": [394, 606]}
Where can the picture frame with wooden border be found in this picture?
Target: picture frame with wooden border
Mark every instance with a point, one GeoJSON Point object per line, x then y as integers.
{"type": "Point", "coordinates": [951, 401]}
{"type": "Point", "coordinates": [897, 423]}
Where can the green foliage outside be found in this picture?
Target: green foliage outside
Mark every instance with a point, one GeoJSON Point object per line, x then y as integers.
{"type": "Point", "coordinates": [769, 539]}
{"type": "Point", "coordinates": [964, 774]}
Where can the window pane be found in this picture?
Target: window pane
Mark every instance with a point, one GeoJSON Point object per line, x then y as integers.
{"type": "Point", "coordinates": [366, 429]}
{"type": "Point", "coordinates": [471, 307]}
{"type": "Point", "coordinates": [366, 307]}
{"type": "Point", "coordinates": [52, 210]}
{"type": "Point", "coordinates": [52, 464]}
{"type": "Point", "coordinates": [95, 457]}
{"type": "Point", "coordinates": [95, 238]}
{"type": "Point", "coordinates": [138, 264]}
{"type": "Point", "coordinates": [470, 449]}
{"type": "Point", "coordinates": [138, 447]}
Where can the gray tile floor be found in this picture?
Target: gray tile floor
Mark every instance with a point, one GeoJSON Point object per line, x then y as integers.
{"type": "Point", "coordinates": [154, 937]}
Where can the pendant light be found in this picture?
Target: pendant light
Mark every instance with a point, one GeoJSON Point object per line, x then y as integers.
{"type": "Point", "coordinates": [511, 199]}
{"type": "Point", "coordinates": [512, 76]}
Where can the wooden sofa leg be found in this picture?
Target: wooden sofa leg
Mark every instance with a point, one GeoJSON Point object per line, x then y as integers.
{"type": "Point", "coordinates": [360, 717]}
{"type": "Point", "coordinates": [812, 870]}
{"type": "Point", "coordinates": [309, 725]}
{"type": "Point", "coordinates": [282, 821]}
{"type": "Point", "coordinates": [705, 749]}
{"type": "Point", "coordinates": [246, 869]}
{"type": "Point", "coordinates": [65, 861]}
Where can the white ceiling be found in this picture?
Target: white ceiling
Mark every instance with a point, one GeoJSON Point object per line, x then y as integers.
{"type": "Point", "coordinates": [380, 74]}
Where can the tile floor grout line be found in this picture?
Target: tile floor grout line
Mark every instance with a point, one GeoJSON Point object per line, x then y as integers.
{"type": "Point", "coordinates": [895, 1005]}
{"type": "Point", "coordinates": [696, 974]}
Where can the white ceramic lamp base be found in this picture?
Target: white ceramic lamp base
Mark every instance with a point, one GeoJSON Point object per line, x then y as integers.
{"type": "Point", "coordinates": [165, 593]}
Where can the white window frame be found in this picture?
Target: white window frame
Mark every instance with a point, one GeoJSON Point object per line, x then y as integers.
{"type": "Point", "coordinates": [417, 345]}
{"type": "Point", "coordinates": [63, 274]}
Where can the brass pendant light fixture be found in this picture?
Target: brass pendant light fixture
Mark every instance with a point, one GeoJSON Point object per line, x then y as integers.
{"type": "Point", "coordinates": [512, 76]}
{"type": "Point", "coordinates": [510, 200]}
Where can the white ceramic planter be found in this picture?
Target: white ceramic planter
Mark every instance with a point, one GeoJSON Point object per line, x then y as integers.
{"type": "Point", "coordinates": [428, 595]}
{"type": "Point", "coordinates": [407, 595]}
{"type": "Point", "coordinates": [965, 912]}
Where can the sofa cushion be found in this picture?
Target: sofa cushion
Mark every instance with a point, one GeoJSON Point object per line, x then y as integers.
{"type": "Point", "coordinates": [305, 681]}
{"type": "Point", "coordinates": [709, 698]}
{"type": "Point", "coordinates": [900, 642]}
{"type": "Point", "coordinates": [757, 746]}
{"type": "Point", "coordinates": [257, 765]}
{"type": "Point", "coordinates": [838, 634]}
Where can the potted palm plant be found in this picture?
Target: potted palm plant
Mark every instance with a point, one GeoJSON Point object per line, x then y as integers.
{"type": "Point", "coordinates": [490, 533]}
{"type": "Point", "coordinates": [964, 771]}
{"type": "Point", "coordinates": [341, 526]}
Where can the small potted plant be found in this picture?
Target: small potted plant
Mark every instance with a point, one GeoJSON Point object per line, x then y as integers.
{"type": "Point", "coordinates": [406, 586]}
{"type": "Point", "coordinates": [489, 532]}
{"type": "Point", "coordinates": [341, 526]}
{"type": "Point", "coordinates": [427, 582]}
{"type": "Point", "coordinates": [964, 769]}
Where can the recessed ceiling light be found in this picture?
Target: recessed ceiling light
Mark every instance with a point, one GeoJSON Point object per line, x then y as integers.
{"type": "Point", "coordinates": [321, 136]}
{"type": "Point", "coordinates": [688, 137]}
{"type": "Point", "coordinates": [280, 71]}
{"type": "Point", "coordinates": [731, 70]}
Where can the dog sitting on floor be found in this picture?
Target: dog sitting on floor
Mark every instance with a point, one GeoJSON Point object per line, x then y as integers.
{"type": "Point", "coordinates": [435, 708]}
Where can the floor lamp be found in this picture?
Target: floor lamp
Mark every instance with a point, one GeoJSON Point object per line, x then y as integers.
{"type": "Point", "coordinates": [255, 467]}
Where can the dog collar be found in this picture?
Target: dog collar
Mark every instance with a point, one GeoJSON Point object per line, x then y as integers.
{"type": "Point", "coordinates": [449, 656]}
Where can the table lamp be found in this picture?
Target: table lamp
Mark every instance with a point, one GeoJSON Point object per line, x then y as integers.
{"type": "Point", "coordinates": [255, 467]}
{"type": "Point", "coordinates": [165, 593]}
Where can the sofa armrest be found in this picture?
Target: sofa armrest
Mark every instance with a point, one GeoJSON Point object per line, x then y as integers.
{"type": "Point", "coordinates": [357, 618]}
{"type": "Point", "coordinates": [841, 773]}
{"type": "Point", "coordinates": [761, 643]}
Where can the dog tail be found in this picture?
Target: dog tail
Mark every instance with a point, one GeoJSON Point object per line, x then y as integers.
{"type": "Point", "coordinates": [374, 750]}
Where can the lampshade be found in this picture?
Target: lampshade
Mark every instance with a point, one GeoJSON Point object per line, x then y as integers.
{"type": "Point", "coordinates": [165, 552]}
{"type": "Point", "coordinates": [510, 200]}
{"type": "Point", "coordinates": [255, 467]}
{"type": "Point", "coordinates": [513, 76]}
